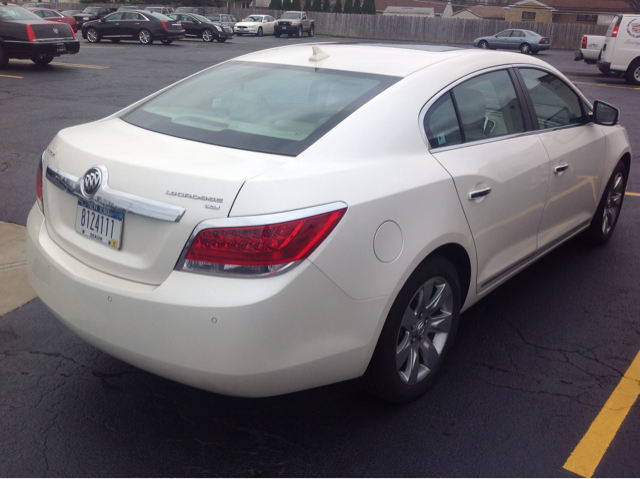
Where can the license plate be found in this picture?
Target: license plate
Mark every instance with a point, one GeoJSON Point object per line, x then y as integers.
{"type": "Point", "coordinates": [100, 223]}
{"type": "Point", "coordinates": [61, 47]}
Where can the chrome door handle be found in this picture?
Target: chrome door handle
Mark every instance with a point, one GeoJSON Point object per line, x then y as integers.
{"type": "Point", "coordinates": [560, 169]}
{"type": "Point", "coordinates": [473, 195]}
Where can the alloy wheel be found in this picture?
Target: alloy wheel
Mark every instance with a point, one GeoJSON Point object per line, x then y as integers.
{"type": "Point", "coordinates": [92, 35]}
{"type": "Point", "coordinates": [424, 330]}
{"type": "Point", "coordinates": [613, 204]}
{"type": "Point", "coordinates": [144, 36]}
{"type": "Point", "coordinates": [207, 35]}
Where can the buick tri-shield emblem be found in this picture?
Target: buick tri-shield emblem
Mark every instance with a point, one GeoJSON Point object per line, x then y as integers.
{"type": "Point", "coordinates": [55, 30]}
{"type": "Point", "coordinates": [91, 182]}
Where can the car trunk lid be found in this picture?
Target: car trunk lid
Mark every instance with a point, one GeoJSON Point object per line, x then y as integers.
{"type": "Point", "coordinates": [191, 181]}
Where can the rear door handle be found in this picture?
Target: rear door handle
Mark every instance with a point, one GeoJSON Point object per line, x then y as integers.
{"type": "Point", "coordinates": [475, 194]}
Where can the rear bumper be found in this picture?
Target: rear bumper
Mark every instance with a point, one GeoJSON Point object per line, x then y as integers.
{"type": "Point", "coordinates": [538, 47]}
{"type": "Point", "coordinates": [256, 337]}
{"type": "Point", "coordinates": [23, 50]}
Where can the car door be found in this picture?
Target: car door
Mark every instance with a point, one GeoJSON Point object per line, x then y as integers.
{"type": "Point", "coordinates": [269, 24]}
{"type": "Point", "coordinates": [500, 39]}
{"type": "Point", "coordinates": [576, 148]}
{"type": "Point", "coordinates": [480, 133]}
{"type": "Point", "coordinates": [110, 28]}
{"type": "Point", "coordinates": [191, 27]}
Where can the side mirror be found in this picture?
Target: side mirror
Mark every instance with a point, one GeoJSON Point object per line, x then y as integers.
{"type": "Point", "coordinates": [605, 114]}
{"type": "Point", "coordinates": [103, 19]}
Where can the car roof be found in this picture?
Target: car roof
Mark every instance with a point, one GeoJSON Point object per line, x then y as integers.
{"type": "Point", "coordinates": [389, 59]}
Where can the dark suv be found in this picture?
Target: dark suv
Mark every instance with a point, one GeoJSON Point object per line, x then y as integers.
{"type": "Point", "coordinates": [196, 10]}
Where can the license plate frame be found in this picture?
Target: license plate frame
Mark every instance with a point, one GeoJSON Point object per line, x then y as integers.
{"type": "Point", "coordinates": [100, 223]}
{"type": "Point", "coordinates": [61, 47]}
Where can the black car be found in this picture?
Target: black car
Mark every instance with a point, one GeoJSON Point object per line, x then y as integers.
{"type": "Point", "coordinates": [92, 13]}
{"type": "Point", "coordinates": [138, 25]}
{"type": "Point", "coordinates": [24, 35]}
{"type": "Point", "coordinates": [201, 27]}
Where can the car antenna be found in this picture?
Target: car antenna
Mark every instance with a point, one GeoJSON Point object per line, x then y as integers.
{"type": "Point", "coordinates": [318, 55]}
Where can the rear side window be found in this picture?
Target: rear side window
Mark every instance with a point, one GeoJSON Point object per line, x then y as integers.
{"type": "Point", "coordinates": [481, 108]}
{"type": "Point", "coordinates": [261, 107]}
{"type": "Point", "coordinates": [555, 104]}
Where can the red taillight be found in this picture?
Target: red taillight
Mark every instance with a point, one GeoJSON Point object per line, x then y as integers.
{"type": "Point", "coordinates": [39, 187]}
{"type": "Point", "coordinates": [264, 248]}
{"type": "Point", "coordinates": [164, 25]}
{"type": "Point", "coordinates": [32, 36]}
{"type": "Point", "coordinates": [584, 42]}
{"type": "Point", "coordinates": [182, 23]}
{"type": "Point", "coordinates": [614, 33]}
{"type": "Point", "coordinates": [72, 32]}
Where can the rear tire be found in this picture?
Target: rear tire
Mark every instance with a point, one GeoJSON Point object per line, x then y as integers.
{"type": "Point", "coordinates": [42, 60]}
{"type": "Point", "coordinates": [633, 73]}
{"type": "Point", "coordinates": [417, 334]}
{"type": "Point", "coordinates": [525, 48]}
{"type": "Point", "coordinates": [92, 35]}
{"type": "Point", "coordinates": [606, 216]}
{"type": "Point", "coordinates": [4, 58]}
{"type": "Point", "coordinates": [259, 34]}
{"type": "Point", "coordinates": [311, 31]}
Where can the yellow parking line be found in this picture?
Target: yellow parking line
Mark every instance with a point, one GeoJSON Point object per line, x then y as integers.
{"type": "Point", "coordinates": [9, 76]}
{"type": "Point", "coordinates": [632, 194]}
{"type": "Point", "coordinates": [589, 452]}
{"type": "Point", "coordinates": [606, 85]}
{"type": "Point", "coordinates": [76, 65]}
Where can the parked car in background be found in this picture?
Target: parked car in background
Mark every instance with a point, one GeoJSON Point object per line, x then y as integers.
{"type": "Point", "coordinates": [140, 25]}
{"type": "Point", "coordinates": [222, 18]}
{"type": "Point", "coordinates": [524, 40]}
{"type": "Point", "coordinates": [24, 35]}
{"type": "Point", "coordinates": [294, 23]}
{"type": "Point", "coordinates": [621, 49]}
{"type": "Point", "coordinates": [92, 13]}
{"type": "Point", "coordinates": [196, 10]}
{"type": "Point", "coordinates": [54, 16]}
{"type": "Point", "coordinates": [37, 5]}
{"type": "Point", "coordinates": [257, 25]}
{"type": "Point", "coordinates": [129, 8]}
{"type": "Point", "coordinates": [334, 209]}
{"type": "Point", "coordinates": [590, 49]}
{"type": "Point", "coordinates": [201, 27]}
{"type": "Point", "coordinates": [163, 10]}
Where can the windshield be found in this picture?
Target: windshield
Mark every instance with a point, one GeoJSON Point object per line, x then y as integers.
{"type": "Point", "coordinates": [17, 13]}
{"type": "Point", "coordinates": [253, 19]}
{"type": "Point", "coordinates": [201, 18]}
{"type": "Point", "coordinates": [260, 107]}
{"type": "Point", "coordinates": [91, 10]}
{"type": "Point", "coordinates": [291, 16]}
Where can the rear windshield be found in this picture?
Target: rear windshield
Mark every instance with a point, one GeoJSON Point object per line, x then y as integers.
{"type": "Point", "coordinates": [260, 107]}
{"type": "Point", "coordinates": [17, 13]}
{"type": "Point", "coordinates": [160, 16]}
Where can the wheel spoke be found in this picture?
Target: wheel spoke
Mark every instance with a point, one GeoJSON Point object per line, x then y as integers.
{"type": "Point", "coordinates": [413, 366]}
{"type": "Point", "coordinates": [428, 353]}
{"type": "Point", "coordinates": [441, 323]}
{"type": "Point", "coordinates": [409, 318]}
{"type": "Point", "coordinates": [403, 350]}
{"type": "Point", "coordinates": [436, 299]}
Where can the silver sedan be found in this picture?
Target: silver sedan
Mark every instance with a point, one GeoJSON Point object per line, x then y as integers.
{"type": "Point", "coordinates": [524, 40]}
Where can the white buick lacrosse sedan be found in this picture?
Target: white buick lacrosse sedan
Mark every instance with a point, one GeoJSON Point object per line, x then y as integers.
{"type": "Point", "coordinates": [312, 214]}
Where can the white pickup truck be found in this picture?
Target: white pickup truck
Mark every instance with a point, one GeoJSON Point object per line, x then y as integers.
{"type": "Point", "coordinates": [621, 50]}
{"type": "Point", "coordinates": [590, 49]}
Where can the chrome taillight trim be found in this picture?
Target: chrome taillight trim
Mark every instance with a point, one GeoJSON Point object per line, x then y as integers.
{"type": "Point", "coordinates": [39, 201]}
{"type": "Point", "coordinates": [248, 221]}
{"type": "Point", "coordinates": [115, 199]}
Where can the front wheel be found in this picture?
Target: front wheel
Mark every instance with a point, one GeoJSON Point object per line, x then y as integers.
{"type": "Point", "coordinates": [92, 35]}
{"type": "Point", "coordinates": [483, 44]}
{"type": "Point", "coordinates": [41, 60]}
{"type": "Point", "coordinates": [525, 48]}
{"type": "Point", "coordinates": [417, 334]}
{"type": "Point", "coordinates": [633, 73]}
{"type": "Point", "coordinates": [606, 216]}
{"type": "Point", "coordinates": [299, 32]}
{"type": "Point", "coordinates": [144, 36]}
{"type": "Point", "coordinates": [311, 31]}
{"type": "Point", "coordinates": [207, 35]}
{"type": "Point", "coordinates": [259, 34]}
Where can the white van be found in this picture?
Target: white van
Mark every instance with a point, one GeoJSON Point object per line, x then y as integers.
{"type": "Point", "coordinates": [621, 50]}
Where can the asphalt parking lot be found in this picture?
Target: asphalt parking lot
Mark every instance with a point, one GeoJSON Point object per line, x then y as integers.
{"type": "Point", "coordinates": [532, 369]}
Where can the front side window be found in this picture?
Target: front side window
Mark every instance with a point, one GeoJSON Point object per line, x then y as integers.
{"type": "Point", "coordinates": [260, 107]}
{"type": "Point", "coordinates": [555, 104]}
{"type": "Point", "coordinates": [504, 34]}
{"type": "Point", "coordinates": [114, 17]}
